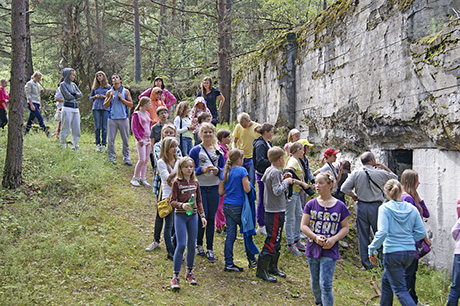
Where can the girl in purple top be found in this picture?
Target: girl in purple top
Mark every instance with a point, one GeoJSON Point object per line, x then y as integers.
{"type": "Point", "coordinates": [140, 125]}
{"type": "Point", "coordinates": [410, 183]}
{"type": "Point", "coordinates": [324, 222]}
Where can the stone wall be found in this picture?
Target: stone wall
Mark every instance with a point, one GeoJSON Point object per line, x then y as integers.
{"type": "Point", "coordinates": [379, 75]}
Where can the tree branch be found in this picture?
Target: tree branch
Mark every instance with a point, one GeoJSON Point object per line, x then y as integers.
{"type": "Point", "coordinates": [184, 11]}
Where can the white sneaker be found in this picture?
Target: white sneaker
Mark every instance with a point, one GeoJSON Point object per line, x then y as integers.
{"type": "Point", "coordinates": [154, 245]}
{"type": "Point", "coordinates": [144, 182]}
{"type": "Point", "coordinates": [420, 304]}
{"type": "Point", "coordinates": [135, 182]}
{"type": "Point", "coordinates": [262, 230]}
{"type": "Point", "coordinates": [98, 148]}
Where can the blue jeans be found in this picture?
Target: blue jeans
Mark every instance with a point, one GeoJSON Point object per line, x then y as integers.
{"type": "Point", "coordinates": [169, 223]}
{"type": "Point", "coordinates": [454, 293]}
{"type": "Point", "coordinates": [210, 200]}
{"type": "Point", "coordinates": [293, 218]}
{"type": "Point", "coordinates": [35, 114]}
{"type": "Point", "coordinates": [233, 218]}
{"type": "Point", "coordinates": [186, 228]}
{"type": "Point", "coordinates": [185, 145]}
{"type": "Point", "coordinates": [248, 163]}
{"type": "Point", "coordinates": [394, 280]}
{"type": "Point", "coordinates": [100, 124]}
{"type": "Point", "coordinates": [321, 275]}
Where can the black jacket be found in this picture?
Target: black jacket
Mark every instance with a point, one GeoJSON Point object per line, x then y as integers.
{"type": "Point", "coordinates": [259, 155]}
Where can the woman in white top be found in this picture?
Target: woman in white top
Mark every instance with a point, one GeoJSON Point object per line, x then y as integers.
{"type": "Point", "coordinates": [33, 103]}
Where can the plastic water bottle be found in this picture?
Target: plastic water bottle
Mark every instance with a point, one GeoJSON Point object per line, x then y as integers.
{"type": "Point", "coordinates": [191, 202]}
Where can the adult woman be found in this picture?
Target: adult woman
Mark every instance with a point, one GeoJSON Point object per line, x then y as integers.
{"type": "Point", "coordinates": [167, 97]}
{"type": "Point", "coordinates": [70, 117]}
{"type": "Point", "coordinates": [410, 183]}
{"type": "Point", "coordinates": [399, 226]}
{"type": "Point", "coordinates": [168, 130]}
{"type": "Point", "coordinates": [33, 102]}
{"type": "Point", "coordinates": [210, 94]}
{"type": "Point", "coordinates": [100, 114]}
{"type": "Point", "coordinates": [260, 148]}
{"type": "Point", "coordinates": [209, 163]}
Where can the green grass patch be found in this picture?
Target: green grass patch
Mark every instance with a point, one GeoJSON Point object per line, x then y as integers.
{"type": "Point", "coordinates": [75, 234]}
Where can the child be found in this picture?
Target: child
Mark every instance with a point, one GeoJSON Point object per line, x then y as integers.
{"type": "Point", "coordinates": [203, 117]}
{"type": "Point", "coordinates": [183, 125]}
{"type": "Point", "coordinates": [293, 136]}
{"type": "Point", "coordinates": [140, 125]}
{"type": "Point", "coordinates": [186, 225]}
{"type": "Point", "coordinates": [294, 204]}
{"type": "Point", "coordinates": [167, 168]}
{"type": "Point", "coordinates": [275, 209]}
{"type": "Point", "coordinates": [4, 99]}
{"type": "Point", "coordinates": [235, 184]}
{"type": "Point", "coordinates": [330, 156]}
{"type": "Point", "coordinates": [244, 135]}
{"type": "Point", "coordinates": [223, 136]}
{"type": "Point", "coordinates": [324, 222]}
{"type": "Point", "coordinates": [454, 293]}
{"type": "Point", "coordinates": [168, 130]}
{"type": "Point", "coordinates": [155, 102]}
{"type": "Point", "coordinates": [198, 108]}
{"type": "Point", "coordinates": [155, 133]}
{"type": "Point", "coordinates": [261, 163]}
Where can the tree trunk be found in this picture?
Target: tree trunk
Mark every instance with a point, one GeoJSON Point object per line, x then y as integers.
{"type": "Point", "coordinates": [224, 50]}
{"type": "Point", "coordinates": [12, 173]}
{"type": "Point", "coordinates": [137, 43]}
{"type": "Point", "coordinates": [29, 62]}
{"type": "Point", "coordinates": [88, 24]}
{"type": "Point", "coordinates": [161, 32]}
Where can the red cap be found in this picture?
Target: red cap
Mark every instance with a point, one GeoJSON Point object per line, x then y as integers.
{"type": "Point", "coordinates": [329, 152]}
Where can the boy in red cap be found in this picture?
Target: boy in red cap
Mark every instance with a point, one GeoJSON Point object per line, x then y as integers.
{"type": "Point", "coordinates": [330, 155]}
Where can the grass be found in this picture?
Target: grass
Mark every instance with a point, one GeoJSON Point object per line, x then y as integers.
{"type": "Point", "coordinates": [76, 231]}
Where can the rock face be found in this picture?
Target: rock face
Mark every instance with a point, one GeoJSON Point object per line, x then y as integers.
{"type": "Point", "coordinates": [380, 75]}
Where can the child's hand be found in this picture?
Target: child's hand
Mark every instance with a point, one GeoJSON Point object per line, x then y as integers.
{"type": "Point", "coordinates": [289, 180]}
{"type": "Point", "coordinates": [373, 259]}
{"type": "Point", "coordinates": [186, 206]}
{"type": "Point", "coordinates": [204, 222]}
{"type": "Point", "coordinates": [287, 175]}
{"type": "Point", "coordinates": [329, 243]}
{"type": "Point", "coordinates": [214, 170]}
{"type": "Point", "coordinates": [320, 239]}
{"type": "Point", "coordinates": [191, 128]}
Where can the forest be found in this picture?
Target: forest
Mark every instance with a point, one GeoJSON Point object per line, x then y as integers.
{"type": "Point", "coordinates": [180, 40]}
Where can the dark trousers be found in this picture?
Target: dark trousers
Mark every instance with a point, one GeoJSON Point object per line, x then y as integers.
{"type": "Point", "coordinates": [210, 201]}
{"type": "Point", "coordinates": [3, 118]}
{"type": "Point", "coordinates": [366, 219]}
{"type": "Point", "coordinates": [35, 114]}
{"type": "Point", "coordinates": [411, 272]}
{"type": "Point", "coordinates": [274, 223]}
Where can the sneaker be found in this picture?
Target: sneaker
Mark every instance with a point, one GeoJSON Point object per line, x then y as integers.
{"type": "Point", "coordinates": [300, 245]}
{"type": "Point", "coordinates": [175, 283]}
{"type": "Point", "coordinates": [252, 263]}
{"type": "Point", "coordinates": [233, 268]}
{"type": "Point", "coordinates": [210, 255]}
{"type": "Point", "coordinates": [102, 148]}
{"type": "Point", "coordinates": [135, 182]}
{"type": "Point", "coordinates": [128, 163]}
{"type": "Point", "coordinates": [293, 249]}
{"type": "Point", "coordinates": [154, 245]}
{"type": "Point", "coordinates": [191, 279]}
{"type": "Point", "coordinates": [262, 230]}
{"type": "Point", "coordinates": [98, 148]}
{"type": "Point", "coordinates": [420, 304]}
{"type": "Point", "coordinates": [144, 182]}
{"type": "Point", "coordinates": [200, 251]}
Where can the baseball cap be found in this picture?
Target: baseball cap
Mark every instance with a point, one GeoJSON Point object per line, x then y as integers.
{"type": "Point", "coordinates": [329, 152]}
{"type": "Point", "coordinates": [305, 142]}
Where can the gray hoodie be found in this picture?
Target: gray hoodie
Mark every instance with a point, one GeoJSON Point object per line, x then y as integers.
{"type": "Point", "coordinates": [69, 89]}
{"type": "Point", "coordinates": [275, 186]}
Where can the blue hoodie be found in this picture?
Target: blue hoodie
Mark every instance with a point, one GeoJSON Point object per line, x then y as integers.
{"type": "Point", "coordinates": [399, 227]}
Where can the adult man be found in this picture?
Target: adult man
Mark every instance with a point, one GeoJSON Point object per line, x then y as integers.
{"type": "Point", "coordinates": [118, 99]}
{"type": "Point", "coordinates": [368, 183]}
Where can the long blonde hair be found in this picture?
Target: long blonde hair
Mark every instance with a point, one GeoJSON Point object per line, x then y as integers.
{"type": "Point", "coordinates": [166, 144]}
{"type": "Point", "coordinates": [409, 179]}
{"type": "Point", "coordinates": [233, 156]}
{"type": "Point", "coordinates": [393, 189]}
{"type": "Point", "coordinates": [142, 102]}
{"type": "Point", "coordinates": [210, 126]}
{"type": "Point", "coordinates": [168, 126]}
{"type": "Point", "coordinates": [182, 163]}
{"type": "Point", "coordinates": [103, 84]}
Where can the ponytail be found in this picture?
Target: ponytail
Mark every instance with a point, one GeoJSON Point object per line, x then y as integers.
{"type": "Point", "coordinates": [393, 189]}
{"type": "Point", "coordinates": [233, 156]}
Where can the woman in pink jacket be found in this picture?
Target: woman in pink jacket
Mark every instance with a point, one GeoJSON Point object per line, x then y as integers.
{"type": "Point", "coordinates": [167, 97]}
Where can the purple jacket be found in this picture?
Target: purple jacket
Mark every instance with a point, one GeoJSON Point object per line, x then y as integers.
{"type": "Point", "coordinates": [408, 198]}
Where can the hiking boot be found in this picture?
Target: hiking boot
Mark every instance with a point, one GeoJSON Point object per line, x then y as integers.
{"type": "Point", "coordinates": [152, 246]}
{"type": "Point", "coordinates": [210, 256]}
{"type": "Point", "coordinates": [262, 269]}
{"type": "Point", "coordinates": [200, 251]}
{"type": "Point", "coordinates": [233, 268]}
{"type": "Point", "coordinates": [293, 249]}
{"type": "Point", "coordinates": [175, 283]}
{"type": "Point", "coordinates": [190, 278]}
